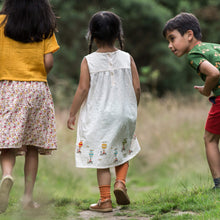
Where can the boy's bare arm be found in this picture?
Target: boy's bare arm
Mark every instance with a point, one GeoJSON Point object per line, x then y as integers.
{"type": "Point", "coordinates": [212, 78]}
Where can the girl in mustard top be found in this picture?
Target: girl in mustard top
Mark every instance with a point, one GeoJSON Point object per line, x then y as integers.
{"type": "Point", "coordinates": [27, 119]}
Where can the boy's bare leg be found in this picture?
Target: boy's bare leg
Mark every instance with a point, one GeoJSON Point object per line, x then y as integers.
{"type": "Point", "coordinates": [212, 153]}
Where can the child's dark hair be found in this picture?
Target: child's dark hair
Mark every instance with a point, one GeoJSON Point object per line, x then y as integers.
{"type": "Point", "coordinates": [28, 20]}
{"type": "Point", "coordinates": [184, 22]}
{"type": "Point", "coordinates": [105, 27]}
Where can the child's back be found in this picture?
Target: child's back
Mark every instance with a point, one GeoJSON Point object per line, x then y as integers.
{"type": "Point", "coordinates": [108, 117]}
{"type": "Point", "coordinates": [24, 61]}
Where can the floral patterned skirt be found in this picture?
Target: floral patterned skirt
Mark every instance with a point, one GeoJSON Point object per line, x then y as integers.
{"type": "Point", "coordinates": [27, 116]}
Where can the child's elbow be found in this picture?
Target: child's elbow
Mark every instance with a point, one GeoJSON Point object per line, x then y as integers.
{"type": "Point", "coordinates": [48, 62]}
{"type": "Point", "coordinates": [138, 91]}
{"type": "Point", "coordinates": [49, 67]}
{"type": "Point", "coordinates": [216, 74]}
{"type": "Point", "coordinates": [84, 90]}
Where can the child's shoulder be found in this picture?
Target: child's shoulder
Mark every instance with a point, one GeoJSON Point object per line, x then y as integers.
{"type": "Point", "coordinates": [204, 47]}
{"type": "Point", "coordinates": [91, 55]}
{"type": "Point", "coordinates": [106, 54]}
{"type": "Point", "coordinates": [98, 61]}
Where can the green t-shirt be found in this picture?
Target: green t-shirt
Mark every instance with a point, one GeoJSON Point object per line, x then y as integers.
{"type": "Point", "coordinates": [202, 52]}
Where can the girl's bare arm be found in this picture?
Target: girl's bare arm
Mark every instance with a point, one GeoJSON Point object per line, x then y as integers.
{"type": "Point", "coordinates": [136, 81]}
{"type": "Point", "coordinates": [48, 61]}
{"type": "Point", "coordinates": [81, 93]}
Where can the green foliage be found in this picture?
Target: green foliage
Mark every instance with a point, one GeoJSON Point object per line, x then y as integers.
{"type": "Point", "coordinates": [149, 78]}
{"type": "Point", "coordinates": [143, 21]}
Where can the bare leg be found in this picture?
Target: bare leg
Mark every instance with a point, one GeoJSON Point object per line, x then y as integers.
{"type": "Point", "coordinates": [212, 153]}
{"type": "Point", "coordinates": [30, 172]}
{"type": "Point", "coordinates": [8, 159]}
{"type": "Point", "coordinates": [104, 177]}
{"type": "Point", "coordinates": [7, 164]}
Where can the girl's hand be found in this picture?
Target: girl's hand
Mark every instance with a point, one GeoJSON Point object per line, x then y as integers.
{"type": "Point", "coordinates": [201, 90]}
{"type": "Point", "coordinates": [71, 122]}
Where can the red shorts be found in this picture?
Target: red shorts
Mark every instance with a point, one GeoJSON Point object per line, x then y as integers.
{"type": "Point", "coordinates": [213, 120]}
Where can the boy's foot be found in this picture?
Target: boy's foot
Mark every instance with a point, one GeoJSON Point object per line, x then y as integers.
{"type": "Point", "coordinates": [5, 188]}
{"type": "Point", "coordinates": [120, 192]}
{"type": "Point", "coordinates": [105, 206]}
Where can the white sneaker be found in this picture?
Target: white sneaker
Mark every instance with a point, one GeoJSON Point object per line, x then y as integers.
{"type": "Point", "coordinates": [5, 188]}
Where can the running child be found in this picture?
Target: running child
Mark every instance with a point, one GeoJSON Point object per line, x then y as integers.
{"type": "Point", "coordinates": [184, 36]}
{"type": "Point", "coordinates": [27, 118]}
{"type": "Point", "coordinates": [108, 94]}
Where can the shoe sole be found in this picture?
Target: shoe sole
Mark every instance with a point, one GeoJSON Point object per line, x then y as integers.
{"type": "Point", "coordinates": [121, 197]}
{"type": "Point", "coordinates": [101, 210]}
{"type": "Point", "coordinates": [5, 189]}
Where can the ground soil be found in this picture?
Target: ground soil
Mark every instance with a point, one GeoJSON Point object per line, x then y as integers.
{"type": "Point", "coordinates": [124, 215]}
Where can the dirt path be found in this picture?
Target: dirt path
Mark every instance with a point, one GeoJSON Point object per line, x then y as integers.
{"type": "Point", "coordinates": [124, 215]}
{"type": "Point", "coordinates": [118, 214]}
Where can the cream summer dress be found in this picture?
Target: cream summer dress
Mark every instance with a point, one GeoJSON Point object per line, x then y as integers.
{"type": "Point", "coordinates": [107, 119]}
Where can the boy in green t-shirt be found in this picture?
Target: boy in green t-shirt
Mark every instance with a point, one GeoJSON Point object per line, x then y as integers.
{"type": "Point", "coordinates": [184, 36]}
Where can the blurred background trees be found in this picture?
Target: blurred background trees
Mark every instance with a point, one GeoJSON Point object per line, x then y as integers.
{"type": "Point", "coordinates": [143, 20]}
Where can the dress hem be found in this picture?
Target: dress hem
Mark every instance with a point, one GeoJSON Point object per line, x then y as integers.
{"type": "Point", "coordinates": [113, 165]}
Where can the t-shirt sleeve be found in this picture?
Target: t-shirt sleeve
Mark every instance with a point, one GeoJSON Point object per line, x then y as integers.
{"type": "Point", "coordinates": [51, 45]}
{"type": "Point", "coordinates": [195, 59]}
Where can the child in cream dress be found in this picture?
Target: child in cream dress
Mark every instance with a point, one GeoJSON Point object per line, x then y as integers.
{"type": "Point", "coordinates": [107, 120]}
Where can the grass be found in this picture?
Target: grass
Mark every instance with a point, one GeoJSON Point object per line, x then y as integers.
{"type": "Point", "coordinates": [169, 179]}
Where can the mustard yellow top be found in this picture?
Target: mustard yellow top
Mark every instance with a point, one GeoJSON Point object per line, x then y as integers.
{"type": "Point", "coordinates": [24, 61]}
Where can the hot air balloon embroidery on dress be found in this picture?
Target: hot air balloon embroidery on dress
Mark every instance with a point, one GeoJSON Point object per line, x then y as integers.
{"type": "Point", "coordinates": [90, 156]}
{"type": "Point", "coordinates": [79, 147]}
{"type": "Point", "coordinates": [104, 146]}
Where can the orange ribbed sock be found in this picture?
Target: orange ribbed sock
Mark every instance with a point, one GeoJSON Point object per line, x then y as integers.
{"type": "Point", "coordinates": [105, 192]}
{"type": "Point", "coordinates": [121, 172]}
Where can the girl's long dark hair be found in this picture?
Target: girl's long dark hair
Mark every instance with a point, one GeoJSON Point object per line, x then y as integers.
{"type": "Point", "coordinates": [28, 20]}
{"type": "Point", "coordinates": [105, 27]}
